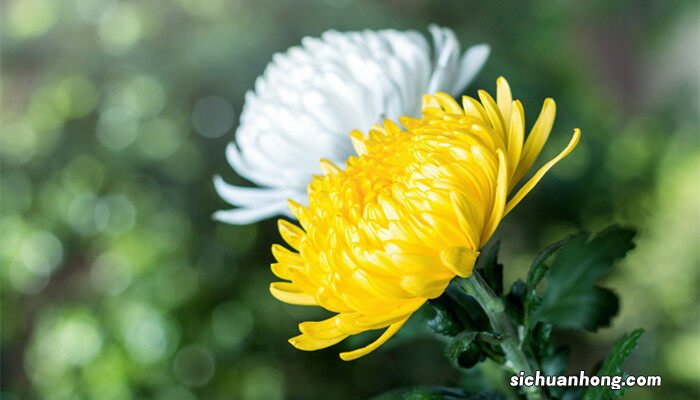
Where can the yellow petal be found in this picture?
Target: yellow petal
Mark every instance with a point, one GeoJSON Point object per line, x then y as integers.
{"type": "Point", "coordinates": [391, 331]}
{"type": "Point", "coordinates": [410, 122]}
{"type": "Point", "coordinates": [424, 286]}
{"type": "Point", "coordinates": [448, 103]}
{"type": "Point", "coordinates": [284, 255]}
{"type": "Point", "coordinates": [413, 263]}
{"type": "Point", "coordinates": [494, 115]}
{"type": "Point", "coordinates": [499, 202]}
{"type": "Point", "coordinates": [308, 343]}
{"type": "Point", "coordinates": [386, 318]}
{"type": "Point", "coordinates": [380, 286]}
{"type": "Point", "coordinates": [516, 133]}
{"type": "Point", "coordinates": [537, 138]}
{"type": "Point", "coordinates": [358, 142]}
{"type": "Point", "coordinates": [326, 329]}
{"type": "Point", "coordinates": [328, 168]}
{"type": "Point", "coordinates": [298, 211]}
{"type": "Point", "coordinates": [291, 233]}
{"type": "Point", "coordinates": [283, 271]}
{"type": "Point", "coordinates": [459, 260]}
{"type": "Point", "coordinates": [327, 299]}
{"type": "Point", "coordinates": [429, 102]}
{"type": "Point", "coordinates": [466, 219]}
{"type": "Point", "coordinates": [474, 109]}
{"type": "Point", "coordinates": [540, 173]}
{"type": "Point", "coordinates": [504, 98]}
{"type": "Point", "coordinates": [291, 294]}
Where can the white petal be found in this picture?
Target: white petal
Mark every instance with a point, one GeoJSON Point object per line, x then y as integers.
{"type": "Point", "coordinates": [446, 53]}
{"type": "Point", "coordinates": [240, 216]}
{"type": "Point", "coordinates": [469, 66]}
{"type": "Point", "coordinates": [243, 196]}
{"type": "Point", "coordinates": [242, 168]}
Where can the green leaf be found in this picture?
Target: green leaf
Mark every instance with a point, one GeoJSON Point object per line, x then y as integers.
{"type": "Point", "coordinates": [438, 393]}
{"type": "Point", "coordinates": [552, 358]}
{"type": "Point", "coordinates": [464, 350]}
{"type": "Point", "coordinates": [445, 322]}
{"type": "Point", "coordinates": [515, 301]}
{"type": "Point", "coordinates": [490, 269]}
{"type": "Point", "coordinates": [522, 297]}
{"type": "Point", "coordinates": [612, 366]}
{"type": "Point", "coordinates": [456, 312]}
{"type": "Point", "coordinates": [445, 393]}
{"type": "Point", "coordinates": [538, 270]}
{"type": "Point", "coordinates": [470, 348]}
{"type": "Point", "coordinates": [572, 299]}
{"type": "Point", "coordinates": [423, 393]}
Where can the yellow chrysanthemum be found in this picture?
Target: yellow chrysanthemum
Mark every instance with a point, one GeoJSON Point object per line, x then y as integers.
{"type": "Point", "coordinates": [407, 215]}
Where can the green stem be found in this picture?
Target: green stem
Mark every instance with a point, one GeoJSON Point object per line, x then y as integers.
{"type": "Point", "coordinates": [516, 360]}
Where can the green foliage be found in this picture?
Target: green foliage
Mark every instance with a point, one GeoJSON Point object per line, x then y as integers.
{"type": "Point", "coordinates": [438, 393]}
{"type": "Point", "coordinates": [470, 348]}
{"type": "Point", "coordinates": [551, 358]}
{"type": "Point", "coordinates": [449, 394]}
{"type": "Point", "coordinates": [446, 321]}
{"type": "Point", "coordinates": [460, 317]}
{"type": "Point", "coordinates": [538, 270]}
{"type": "Point", "coordinates": [572, 298]}
{"type": "Point", "coordinates": [515, 301]}
{"type": "Point", "coordinates": [463, 350]}
{"type": "Point", "coordinates": [612, 366]}
{"type": "Point", "coordinates": [456, 312]}
{"type": "Point", "coordinates": [569, 300]}
{"type": "Point", "coordinates": [490, 269]}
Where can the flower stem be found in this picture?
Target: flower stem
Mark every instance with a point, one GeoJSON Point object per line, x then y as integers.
{"type": "Point", "coordinates": [516, 360]}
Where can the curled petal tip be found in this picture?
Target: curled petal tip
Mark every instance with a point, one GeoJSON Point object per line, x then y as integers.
{"type": "Point", "coordinates": [291, 233]}
{"type": "Point", "coordinates": [328, 168]}
{"type": "Point", "coordinates": [388, 333]}
{"type": "Point", "coordinates": [358, 142]}
{"type": "Point", "coordinates": [429, 101]}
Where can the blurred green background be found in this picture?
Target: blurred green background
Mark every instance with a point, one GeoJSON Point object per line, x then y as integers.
{"type": "Point", "coordinates": [116, 283]}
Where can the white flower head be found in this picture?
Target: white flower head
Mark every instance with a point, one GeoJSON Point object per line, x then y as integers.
{"type": "Point", "coordinates": [310, 98]}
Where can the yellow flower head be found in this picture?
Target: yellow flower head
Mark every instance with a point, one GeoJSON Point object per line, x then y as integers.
{"type": "Point", "coordinates": [407, 215]}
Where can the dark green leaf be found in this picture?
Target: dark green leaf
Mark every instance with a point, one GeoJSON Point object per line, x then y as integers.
{"type": "Point", "coordinates": [583, 310]}
{"type": "Point", "coordinates": [433, 394]}
{"type": "Point", "coordinates": [612, 366]}
{"type": "Point", "coordinates": [464, 350]}
{"type": "Point", "coordinates": [448, 393]}
{"type": "Point", "coordinates": [515, 301]}
{"type": "Point", "coordinates": [572, 299]}
{"type": "Point", "coordinates": [445, 322]}
{"type": "Point", "coordinates": [553, 359]}
{"type": "Point", "coordinates": [490, 344]}
{"type": "Point", "coordinates": [460, 344]}
{"type": "Point", "coordinates": [456, 312]}
{"type": "Point", "coordinates": [538, 270]}
{"type": "Point", "coordinates": [490, 269]}
{"type": "Point", "coordinates": [470, 348]}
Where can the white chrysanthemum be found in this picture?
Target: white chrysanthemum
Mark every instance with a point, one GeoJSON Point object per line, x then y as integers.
{"type": "Point", "coordinates": [310, 98]}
